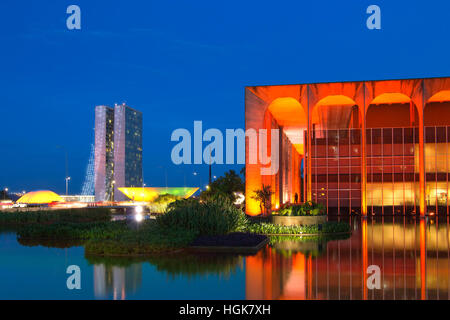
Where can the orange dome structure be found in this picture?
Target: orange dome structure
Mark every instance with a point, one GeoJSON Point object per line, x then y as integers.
{"type": "Point", "coordinates": [40, 197]}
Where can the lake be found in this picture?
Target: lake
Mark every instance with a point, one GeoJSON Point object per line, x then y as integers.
{"type": "Point", "coordinates": [384, 258]}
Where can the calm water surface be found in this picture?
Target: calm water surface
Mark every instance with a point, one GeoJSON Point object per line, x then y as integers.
{"type": "Point", "coordinates": [413, 257]}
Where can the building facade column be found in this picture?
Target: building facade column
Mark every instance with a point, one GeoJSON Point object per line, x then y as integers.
{"type": "Point", "coordinates": [280, 167]}
{"type": "Point", "coordinates": [363, 158]}
{"type": "Point", "coordinates": [423, 207]}
{"type": "Point", "coordinates": [308, 151]}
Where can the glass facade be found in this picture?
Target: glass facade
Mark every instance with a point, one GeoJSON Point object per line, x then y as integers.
{"type": "Point", "coordinates": [133, 148]}
{"type": "Point", "coordinates": [336, 169]}
{"type": "Point", "coordinates": [437, 167]}
{"type": "Point", "coordinates": [104, 153]}
{"type": "Point", "coordinates": [127, 150]}
{"type": "Point", "coordinates": [392, 170]}
{"type": "Point", "coordinates": [118, 151]}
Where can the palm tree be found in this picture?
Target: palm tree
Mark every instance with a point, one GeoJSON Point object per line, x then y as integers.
{"type": "Point", "coordinates": [264, 197]}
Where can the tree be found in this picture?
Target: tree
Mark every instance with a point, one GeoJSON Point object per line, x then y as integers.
{"type": "Point", "coordinates": [242, 172]}
{"type": "Point", "coordinates": [226, 186]}
{"type": "Point", "coordinates": [264, 197]}
{"type": "Point", "coordinates": [4, 195]}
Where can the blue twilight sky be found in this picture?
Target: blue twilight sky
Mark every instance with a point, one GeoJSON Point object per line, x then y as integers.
{"type": "Point", "coordinates": [180, 61]}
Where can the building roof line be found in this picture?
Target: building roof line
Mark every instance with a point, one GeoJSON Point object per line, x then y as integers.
{"type": "Point", "coordinates": [346, 81]}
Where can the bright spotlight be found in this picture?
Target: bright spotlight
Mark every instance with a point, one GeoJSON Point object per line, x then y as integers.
{"type": "Point", "coordinates": [139, 209]}
{"type": "Point", "coordinates": [139, 217]}
{"type": "Point", "coordinates": [240, 198]}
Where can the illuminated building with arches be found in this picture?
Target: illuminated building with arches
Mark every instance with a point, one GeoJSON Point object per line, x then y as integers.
{"type": "Point", "coordinates": [367, 147]}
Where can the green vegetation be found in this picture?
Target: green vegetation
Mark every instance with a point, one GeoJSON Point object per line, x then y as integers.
{"type": "Point", "coordinates": [112, 238]}
{"type": "Point", "coordinates": [304, 209]}
{"type": "Point", "coordinates": [73, 231]}
{"type": "Point", "coordinates": [160, 204]}
{"type": "Point", "coordinates": [50, 243]}
{"type": "Point", "coordinates": [264, 197]}
{"type": "Point", "coordinates": [273, 229]}
{"type": "Point", "coordinates": [182, 222]}
{"type": "Point", "coordinates": [54, 216]}
{"type": "Point", "coordinates": [226, 187]}
{"type": "Point", "coordinates": [147, 239]}
{"type": "Point", "coordinates": [216, 216]}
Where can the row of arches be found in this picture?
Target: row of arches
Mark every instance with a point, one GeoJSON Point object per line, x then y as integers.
{"type": "Point", "coordinates": [386, 110]}
{"type": "Point", "coordinates": [361, 120]}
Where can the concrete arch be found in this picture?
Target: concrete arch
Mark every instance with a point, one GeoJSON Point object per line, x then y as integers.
{"type": "Point", "coordinates": [287, 111]}
{"type": "Point", "coordinates": [435, 88]}
{"type": "Point", "coordinates": [401, 110]}
{"type": "Point", "coordinates": [394, 91]}
{"type": "Point", "coordinates": [289, 116]}
{"type": "Point", "coordinates": [335, 112]}
{"type": "Point", "coordinates": [437, 109]}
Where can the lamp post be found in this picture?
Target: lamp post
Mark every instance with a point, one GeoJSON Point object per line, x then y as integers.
{"type": "Point", "coordinates": [67, 185]}
{"type": "Point", "coordinates": [200, 180]}
{"type": "Point", "coordinates": [66, 163]}
{"type": "Point", "coordinates": [210, 164]}
{"type": "Point", "coordinates": [143, 192]}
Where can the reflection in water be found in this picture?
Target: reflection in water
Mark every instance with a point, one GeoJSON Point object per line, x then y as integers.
{"type": "Point", "coordinates": [116, 280]}
{"type": "Point", "coordinates": [117, 277]}
{"type": "Point", "coordinates": [413, 256]}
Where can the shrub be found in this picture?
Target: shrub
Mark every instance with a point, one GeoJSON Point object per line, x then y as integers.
{"type": "Point", "coordinates": [216, 216]}
{"type": "Point", "coordinates": [327, 227]}
{"type": "Point", "coordinates": [160, 204]}
{"type": "Point", "coordinates": [304, 209]}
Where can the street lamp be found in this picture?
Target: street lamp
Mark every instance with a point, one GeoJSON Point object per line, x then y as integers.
{"type": "Point", "coordinates": [200, 180]}
{"type": "Point", "coordinates": [67, 185]}
{"type": "Point", "coordinates": [143, 191]}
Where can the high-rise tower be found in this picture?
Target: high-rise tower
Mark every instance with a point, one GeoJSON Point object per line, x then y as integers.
{"type": "Point", "coordinates": [118, 151]}
{"type": "Point", "coordinates": [127, 149]}
{"type": "Point", "coordinates": [104, 153]}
